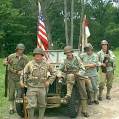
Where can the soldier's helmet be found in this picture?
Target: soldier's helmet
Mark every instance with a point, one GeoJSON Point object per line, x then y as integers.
{"type": "Point", "coordinates": [38, 51]}
{"type": "Point", "coordinates": [20, 46]}
{"type": "Point", "coordinates": [104, 42]}
{"type": "Point", "coordinates": [68, 49]}
{"type": "Point", "coordinates": [88, 46]}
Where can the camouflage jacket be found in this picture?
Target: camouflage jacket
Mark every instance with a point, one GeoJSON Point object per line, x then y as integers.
{"type": "Point", "coordinates": [35, 74]}
{"type": "Point", "coordinates": [92, 59]}
{"type": "Point", "coordinates": [101, 56]}
{"type": "Point", "coordinates": [70, 66]}
{"type": "Point", "coordinates": [16, 64]}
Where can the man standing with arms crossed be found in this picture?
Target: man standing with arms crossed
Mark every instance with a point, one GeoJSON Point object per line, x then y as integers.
{"type": "Point", "coordinates": [90, 61]}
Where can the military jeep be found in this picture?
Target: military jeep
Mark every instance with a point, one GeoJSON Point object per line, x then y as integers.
{"type": "Point", "coordinates": [57, 90]}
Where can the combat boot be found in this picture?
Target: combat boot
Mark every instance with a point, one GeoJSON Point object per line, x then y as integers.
{"type": "Point", "coordinates": [108, 94]}
{"type": "Point", "coordinates": [85, 114]}
{"type": "Point", "coordinates": [84, 108]}
{"type": "Point", "coordinates": [96, 98]}
{"type": "Point", "coordinates": [12, 107]}
{"type": "Point", "coordinates": [91, 99]}
{"type": "Point", "coordinates": [108, 97]}
{"type": "Point", "coordinates": [100, 94]}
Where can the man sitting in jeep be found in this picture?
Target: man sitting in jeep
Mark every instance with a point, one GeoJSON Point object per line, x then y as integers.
{"type": "Point", "coordinates": [71, 67]}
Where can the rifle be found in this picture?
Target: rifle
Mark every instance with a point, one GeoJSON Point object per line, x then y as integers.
{"type": "Point", "coordinates": [6, 80]}
{"type": "Point", "coordinates": [104, 70]}
{"type": "Point", "coordinates": [25, 101]}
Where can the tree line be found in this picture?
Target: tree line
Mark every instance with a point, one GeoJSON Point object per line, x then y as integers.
{"type": "Point", "coordinates": [18, 22]}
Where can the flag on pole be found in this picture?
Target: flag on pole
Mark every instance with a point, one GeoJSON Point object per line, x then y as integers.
{"type": "Point", "coordinates": [85, 33]}
{"type": "Point", "coordinates": [86, 30]}
{"type": "Point", "coordinates": [42, 39]}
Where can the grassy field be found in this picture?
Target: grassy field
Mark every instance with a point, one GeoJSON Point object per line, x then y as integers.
{"type": "Point", "coordinates": [117, 64]}
{"type": "Point", "coordinates": [3, 100]}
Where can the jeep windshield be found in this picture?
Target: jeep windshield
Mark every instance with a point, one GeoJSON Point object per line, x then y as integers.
{"type": "Point", "coordinates": [58, 56]}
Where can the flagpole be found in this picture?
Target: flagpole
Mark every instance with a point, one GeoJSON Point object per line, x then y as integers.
{"type": "Point", "coordinates": [81, 36]}
{"type": "Point", "coordinates": [65, 21]}
{"type": "Point", "coordinates": [72, 22]}
{"type": "Point", "coordinates": [85, 38]}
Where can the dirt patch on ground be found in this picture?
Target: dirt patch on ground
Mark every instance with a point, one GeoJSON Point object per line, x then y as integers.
{"type": "Point", "coordinates": [105, 110]}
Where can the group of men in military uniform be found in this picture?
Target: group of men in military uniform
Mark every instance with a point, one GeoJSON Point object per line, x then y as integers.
{"type": "Point", "coordinates": [90, 70]}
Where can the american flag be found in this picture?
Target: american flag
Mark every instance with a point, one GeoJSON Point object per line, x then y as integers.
{"type": "Point", "coordinates": [42, 39]}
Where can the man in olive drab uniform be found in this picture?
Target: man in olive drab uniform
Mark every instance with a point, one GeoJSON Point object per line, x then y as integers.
{"type": "Point", "coordinates": [107, 60]}
{"type": "Point", "coordinates": [90, 61]}
{"type": "Point", "coordinates": [16, 62]}
{"type": "Point", "coordinates": [35, 77]}
{"type": "Point", "coordinates": [72, 68]}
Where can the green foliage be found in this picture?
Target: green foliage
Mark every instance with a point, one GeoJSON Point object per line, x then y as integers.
{"type": "Point", "coordinates": [16, 26]}
{"type": "Point", "coordinates": [112, 31]}
{"type": "Point", "coordinates": [18, 23]}
{"type": "Point", "coordinates": [105, 23]}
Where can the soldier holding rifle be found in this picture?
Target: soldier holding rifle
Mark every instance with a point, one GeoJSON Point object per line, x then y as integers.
{"type": "Point", "coordinates": [15, 64]}
{"type": "Point", "coordinates": [107, 60]}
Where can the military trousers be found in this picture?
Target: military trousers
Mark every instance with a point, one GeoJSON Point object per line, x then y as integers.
{"type": "Point", "coordinates": [82, 83]}
{"type": "Point", "coordinates": [70, 80]}
{"type": "Point", "coordinates": [94, 81]}
{"type": "Point", "coordinates": [13, 87]}
{"type": "Point", "coordinates": [106, 79]}
{"type": "Point", "coordinates": [82, 89]}
{"type": "Point", "coordinates": [36, 99]}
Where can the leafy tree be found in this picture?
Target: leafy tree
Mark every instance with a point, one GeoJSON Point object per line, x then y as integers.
{"type": "Point", "coordinates": [18, 23]}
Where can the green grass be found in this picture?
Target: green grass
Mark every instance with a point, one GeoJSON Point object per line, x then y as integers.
{"type": "Point", "coordinates": [2, 75]}
{"type": "Point", "coordinates": [4, 101]}
{"type": "Point", "coordinates": [116, 52]}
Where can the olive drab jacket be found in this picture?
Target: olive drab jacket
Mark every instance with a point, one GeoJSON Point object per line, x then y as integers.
{"type": "Point", "coordinates": [15, 65]}
{"type": "Point", "coordinates": [111, 64]}
{"type": "Point", "coordinates": [74, 65]}
{"type": "Point", "coordinates": [35, 74]}
{"type": "Point", "coordinates": [90, 59]}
